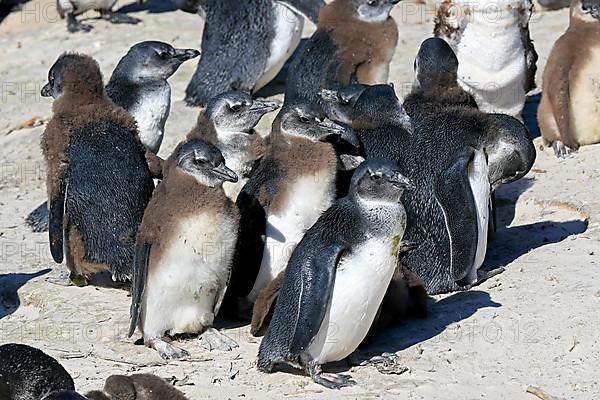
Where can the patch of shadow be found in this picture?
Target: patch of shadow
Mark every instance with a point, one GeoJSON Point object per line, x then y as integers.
{"type": "Point", "coordinates": [505, 199]}
{"type": "Point", "coordinates": [450, 310]}
{"type": "Point", "coordinates": [9, 285]}
{"type": "Point", "coordinates": [530, 114]}
{"type": "Point", "coordinates": [152, 6]}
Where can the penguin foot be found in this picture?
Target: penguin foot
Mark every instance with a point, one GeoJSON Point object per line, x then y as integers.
{"type": "Point", "coordinates": [69, 279]}
{"type": "Point", "coordinates": [38, 218]}
{"type": "Point", "coordinates": [330, 381]}
{"type": "Point", "coordinates": [118, 18]}
{"type": "Point", "coordinates": [561, 150]}
{"type": "Point", "coordinates": [385, 363]}
{"type": "Point", "coordinates": [166, 350]}
{"type": "Point", "coordinates": [484, 276]}
{"type": "Point", "coordinates": [75, 26]}
{"type": "Point", "coordinates": [213, 339]}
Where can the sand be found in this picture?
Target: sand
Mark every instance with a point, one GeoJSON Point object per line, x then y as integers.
{"type": "Point", "coordinates": [535, 324]}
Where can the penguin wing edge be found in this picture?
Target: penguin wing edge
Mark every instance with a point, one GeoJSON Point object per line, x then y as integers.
{"type": "Point", "coordinates": [309, 8]}
{"type": "Point", "coordinates": [140, 272]}
{"type": "Point", "coordinates": [56, 214]}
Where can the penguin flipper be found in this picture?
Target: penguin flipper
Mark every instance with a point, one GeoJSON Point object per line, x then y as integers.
{"type": "Point", "coordinates": [140, 273]}
{"type": "Point", "coordinates": [453, 192]}
{"type": "Point", "coordinates": [56, 213]}
{"type": "Point", "coordinates": [317, 279]}
{"type": "Point", "coordinates": [309, 8]}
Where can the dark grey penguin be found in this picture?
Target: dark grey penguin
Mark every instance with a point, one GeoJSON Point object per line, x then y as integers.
{"type": "Point", "coordinates": [228, 122]}
{"type": "Point", "coordinates": [28, 373]}
{"type": "Point", "coordinates": [94, 221]}
{"type": "Point", "coordinates": [338, 275]}
{"type": "Point", "coordinates": [184, 251]}
{"type": "Point", "coordinates": [262, 33]}
{"type": "Point", "coordinates": [139, 85]}
{"type": "Point", "coordinates": [136, 387]}
{"type": "Point", "coordinates": [69, 9]}
{"type": "Point", "coordinates": [293, 184]}
{"type": "Point", "coordinates": [68, 395]}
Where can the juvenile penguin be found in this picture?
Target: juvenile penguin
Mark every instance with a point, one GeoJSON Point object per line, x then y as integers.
{"type": "Point", "coordinates": [93, 220]}
{"type": "Point", "coordinates": [136, 387]}
{"type": "Point", "coordinates": [497, 60]}
{"type": "Point", "coordinates": [69, 9]}
{"type": "Point", "coordinates": [228, 122]}
{"type": "Point", "coordinates": [29, 373]}
{"type": "Point", "coordinates": [184, 251]}
{"type": "Point", "coordinates": [69, 395]}
{"type": "Point", "coordinates": [338, 275]}
{"type": "Point", "coordinates": [245, 44]}
{"type": "Point", "coordinates": [354, 43]}
{"type": "Point", "coordinates": [291, 187]}
{"type": "Point", "coordinates": [569, 115]}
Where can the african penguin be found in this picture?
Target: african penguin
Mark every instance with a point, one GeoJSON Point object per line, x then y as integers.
{"type": "Point", "coordinates": [184, 250]}
{"type": "Point", "coordinates": [136, 387]}
{"type": "Point", "coordinates": [245, 44]}
{"type": "Point", "coordinates": [28, 373]}
{"type": "Point", "coordinates": [337, 276]}
{"type": "Point", "coordinates": [69, 9]}
{"type": "Point", "coordinates": [70, 395]}
{"type": "Point", "coordinates": [228, 122]}
{"type": "Point", "coordinates": [354, 43]}
{"type": "Point", "coordinates": [497, 60]}
{"type": "Point", "coordinates": [293, 184]}
{"type": "Point", "coordinates": [93, 221]}
{"type": "Point", "coordinates": [569, 115]}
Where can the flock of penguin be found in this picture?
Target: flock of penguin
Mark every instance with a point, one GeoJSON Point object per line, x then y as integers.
{"type": "Point", "coordinates": [345, 217]}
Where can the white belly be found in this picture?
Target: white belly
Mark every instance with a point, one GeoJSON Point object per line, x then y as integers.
{"type": "Point", "coordinates": [82, 6]}
{"type": "Point", "coordinates": [585, 101]}
{"type": "Point", "coordinates": [492, 64]}
{"type": "Point", "coordinates": [310, 198]}
{"type": "Point", "coordinates": [288, 32]}
{"type": "Point", "coordinates": [361, 281]}
{"type": "Point", "coordinates": [480, 187]}
{"type": "Point", "coordinates": [184, 288]}
{"type": "Point", "coordinates": [151, 118]}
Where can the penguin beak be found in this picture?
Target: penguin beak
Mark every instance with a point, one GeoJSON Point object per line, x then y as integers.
{"type": "Point", "coordinates": [345, 133]}
{"type": "Point", "coordinates": [47, 90]}
{"type": "Point", "coordinates": [225, 173]}
{"type": "Point", "coordinates": [400, 181]}
{"type": "Point", "coordinates": [264, 106]}
{"type": "Point", "coordinates": [328, 96]}
{"type": "Point", "coordinates": [186, 54]}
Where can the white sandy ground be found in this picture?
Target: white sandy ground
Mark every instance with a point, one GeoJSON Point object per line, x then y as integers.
{"type": "Point", "coordinates": [535, 324]}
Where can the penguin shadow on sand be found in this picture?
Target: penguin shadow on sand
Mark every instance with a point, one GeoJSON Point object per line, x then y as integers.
{"type": "Point", "coordinates": [9, 285]}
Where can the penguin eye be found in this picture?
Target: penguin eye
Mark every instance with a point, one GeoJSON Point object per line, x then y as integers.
{"type": "Point", "coordinates": [371, 2]}
{"type": "Point", "coordinates": [344, 100]}
{"type": "Point", "coordinates": [376, 178]}
{"type": "Point", "coordinates": [163, 54]}
{"type": "Point", "coordinates": [236, 107]}
{"type": "Point", "coordinates": [304, 120]}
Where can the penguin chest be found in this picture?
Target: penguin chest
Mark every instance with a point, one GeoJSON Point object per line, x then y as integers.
{"type": "Point", "coordinates": [151, 113]}
{"type": "Point", "coordinates": [361, 280]}
{"type": "Point", "coordinates": [585, 100]}
{"type": "Point", "coordinates": [187, 281]}
{"type": "Point", "coordinates": [480, 187]}
{"type": "Point", "coordinates": [82, 6]}
{"type": "Point", "coordinates": [287, 27]}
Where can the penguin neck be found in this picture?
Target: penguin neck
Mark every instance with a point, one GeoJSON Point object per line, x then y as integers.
{"type": "Point", "coordinates": [385, 219]}
{"type": "Point", "coordinates": [340, 11]}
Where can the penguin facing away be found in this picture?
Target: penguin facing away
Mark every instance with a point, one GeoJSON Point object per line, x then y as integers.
{"type": "Point", "coordinates": [245, 44]}
{"type": "Point", "coordinates": [497, 59]}
{"type": "Point", "coordinates": [184, 251]}
{"type": "Point", "coordinates": [69, 9]}
{"type": "Point", "coordinates": [228, 122]}
{"type": "Point", "coordinates": [92, 221]}
{"type": "Point", "coordinates": [569, 115]}
{"type": "Point", "coordinates": [29, 373]}
{"type": "Point", "coordinates": [337, 276]}
{"type": "Point", "coordinates": [354, 43]}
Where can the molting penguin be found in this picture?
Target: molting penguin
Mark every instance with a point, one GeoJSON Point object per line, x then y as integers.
{"type": "Point", "coordinates": [28, 373]}
{"type": "Point", "coordinates": [495, 52]}
{"type": "Point", "coordinates": [69, 9]}
{"type": "Point", "coordinates": [291, 187]}
{"type": "Point", "coordinates": [184, 250]}
{"type": "Point", "coordinates": [245, 44]}
{"type": "Point", "coordinates": [228, 122]}
{"type": "Point", "coordinates": [136, 387]}
{"type": "Point", "coordinates": [337, 276]}
{"type": "Point", "coordinates": [354, 42]}
{"type": "Point", "coordinates": [93, 220]}
{"type": "Point", "coordinates": [569, 115]}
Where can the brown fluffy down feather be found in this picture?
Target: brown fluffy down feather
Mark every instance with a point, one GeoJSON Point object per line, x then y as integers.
{"type": "Point", "coordinates": [365, 47]}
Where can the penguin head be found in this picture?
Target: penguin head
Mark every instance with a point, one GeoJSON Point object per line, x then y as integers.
{"type": "Point", "coordinates": [379, 180]}
{"type": "Point", "coordinates": [587, 10]}
{"type": "Point", "coordinates": [435, 65]}
{"type": "Point", "coordinates": [152, 60]}
{"type": "Point", "coordinates": [364, 106]}
{"type": "Point", "coordinates": [65, 395]}
{"type": "Point", "coordinates": [75, 74]}
{"type": "Point", "coordinates": [237, 112]}
{"type": "Point", "coordinates": [204, 162]}
{"type": "Point", "coordinates": [120, 387]}
{"type": "Point", "coordinates": [373, 10]}
{"type": "Point", "coordinates": [308, 121]}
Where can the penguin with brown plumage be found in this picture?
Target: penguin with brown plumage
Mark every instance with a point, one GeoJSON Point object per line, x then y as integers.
{"type": "Point", "coordinates": [184, 251]}
{"type": "Point", "coordinates": [228, 122]}
{"type": "Point", "coordinates": [136, 387]}
{"type": "Point", "coordinates": [98, 180]}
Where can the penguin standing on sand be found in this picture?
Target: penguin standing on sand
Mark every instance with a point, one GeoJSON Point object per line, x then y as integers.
{"type": "Point", "coordinates": [98, 180]}
{"type": "Point", "coordinates": [291, 187]}
{"type": "Point", "coordinates": [497, 60]}
{"type": "Point", "coordinates": [338, 275]}
{"type": "Point", "coordinates": [354, 43]}
{"type": "Point", "coordinates": [184, 251]}
{"type": "Point", "coordinates": [569, 115]}
{"type": "Point", "coordinates": [228, 122]}
{"type": "Point", "coordinates": [263, 34]}
{"type": "Point", "coordinates": [69, 9]}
